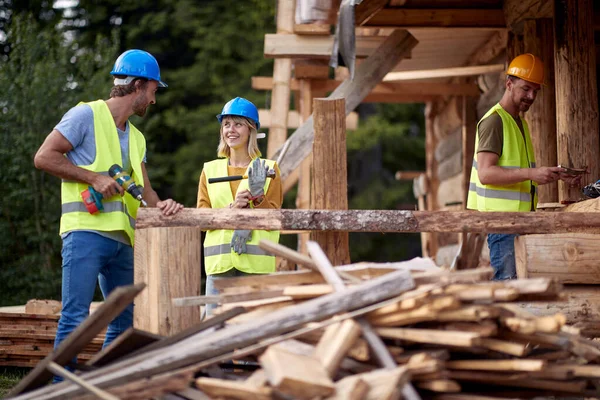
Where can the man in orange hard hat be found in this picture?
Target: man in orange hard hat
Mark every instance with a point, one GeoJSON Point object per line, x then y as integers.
{"type": "Point", "coordinates": [504, 176]}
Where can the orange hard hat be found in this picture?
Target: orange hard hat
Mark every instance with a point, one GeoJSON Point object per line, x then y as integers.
{"type": "Point", "coordinates": [527, 67]}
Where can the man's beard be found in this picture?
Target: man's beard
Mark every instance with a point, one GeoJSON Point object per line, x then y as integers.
{"type": "Point", "coordinates": [139, 106]}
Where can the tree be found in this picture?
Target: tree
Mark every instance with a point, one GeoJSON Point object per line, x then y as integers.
{"type": "Point", "coordinates": [43, 77]}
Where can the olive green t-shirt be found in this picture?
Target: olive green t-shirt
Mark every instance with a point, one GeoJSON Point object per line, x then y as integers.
{"type": "Point", "coordinates": [491, 136]}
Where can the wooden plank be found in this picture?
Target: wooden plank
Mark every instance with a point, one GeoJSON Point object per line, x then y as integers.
{"type": "Point", "coordinates": [329, 178]}
{"type": "Point", "coordinates": [221, 388]}
{"type": "Point", "coordinates": [589, 205]}
{"type": "Point", "coordinates": [167, 261]}
{"type": "Point", "coordinates": [126, 343]}
{"type": "Point", "coordinates": [448, 18]}
{"type": "Point", "coordinates": [568, 257]}
{"type": "Point", "coordinates": [114, 304]}
{"type": "Point", "coordinates": [368, 74]}
{"type": "Point", "coordinates": [449, 338]}
{"type": "Point", "coordinates": [237, 336]}
{"type": "Point", "coordinates": [440, 385]}
{"type": "Point", "coordinates": [312, 29]}
{"type": "Point", "coordinates": [497, 365]}
{"type": "Point", "coordinates": [304, 194]}
{"type": "Point", "coordinates": [375, 220]}
{"type": "Point", "coordinates": [389, 88]}
{"type": "Point", "coordinates": [518, 380]}
{"type": "Point", "coordinates": [443, 72]}
{"type": "Point", "coordinates": [309, 69]}
{"type": "Point", "coordinates": [296, 375]}
{"type": "Point", "coordinates": [490, 50]}
{"type": "Point", "coordinates": [575, 78]}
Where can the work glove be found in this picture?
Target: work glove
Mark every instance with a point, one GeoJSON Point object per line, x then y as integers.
{"type": "Point", "coordinates": [257, 175]}
{"type": "Point", "coordinates": [239, 239]}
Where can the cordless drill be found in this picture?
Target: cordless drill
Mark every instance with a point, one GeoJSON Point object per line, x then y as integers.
{"type": "Point", "coordinates": [93, 200]}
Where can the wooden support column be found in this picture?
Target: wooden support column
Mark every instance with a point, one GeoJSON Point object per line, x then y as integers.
{"type": "Point", "coordinates": [514, 46]}
{"type": "Point", "coordinates": [168, 261]}
{"type": "Point", "coordinates": [282, 73]}
{"type": "Point", "coordinates": [429, 242]}
{"type": "Point", "coordinates": [469, 130]}
{"type": "Point", "coordinates": [541, 117]}
{"type": "Point", "coordinates": [304, 184]}
{"type": "Point", "coordinates": [577, 111]}
{"type": "Point", "coordinates": [330, 179]}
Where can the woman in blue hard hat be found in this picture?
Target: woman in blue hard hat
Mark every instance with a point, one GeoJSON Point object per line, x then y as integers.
{"type": "Point", "coordinates": [89, 139]}
{"type": "Point", "coordinates": [230, 253]}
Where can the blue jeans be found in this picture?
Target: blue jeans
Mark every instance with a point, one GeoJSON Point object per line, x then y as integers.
{"type": "Point", "coordinates": [212, 291]}
{"type": "Point", "coordinates": [87, 258]}
{"type": "Point", "coordinates": [502, 255]}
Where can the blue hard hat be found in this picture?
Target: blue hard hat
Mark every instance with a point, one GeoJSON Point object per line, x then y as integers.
{"type": "Point", "coordinates": [138, 63]}
{"type": "Point", "coordinates": [241, 107]}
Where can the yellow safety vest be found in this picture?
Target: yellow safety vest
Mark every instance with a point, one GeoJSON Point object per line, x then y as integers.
{"type": "Point", "coordinates": [219, 257]}
{"type": "Point", "coordinates": [119, 212]}
{"type": "Point", "coordinates": [517, 152]}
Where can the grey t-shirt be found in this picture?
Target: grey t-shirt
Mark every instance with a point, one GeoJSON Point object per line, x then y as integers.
{"type": "Point", "coordinates": [77, 126]}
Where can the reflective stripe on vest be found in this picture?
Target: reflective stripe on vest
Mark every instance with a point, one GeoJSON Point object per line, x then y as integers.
{"type": "Point", "coordinates": [119, 211]}
{"type": "Point", "coordinates": [219, 257]}
{"type": "Point", "coordinates": [517, 152]}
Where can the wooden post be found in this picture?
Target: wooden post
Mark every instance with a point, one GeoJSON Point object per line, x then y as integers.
{"type": "Point", "coordinates": [330, 179]}
{"type": "Point", "coordinates": [304, 183]}
{"type": "Point", "coordinates": [168, 261]}
{"type": "Point", "coordinates": [282, 73]}
{"type": "Point", "coordinates": [577, 110]}
{"type": "Point", "coordinates": [541, 117]}
{"type": "Point", "coordinates": [430, 238]}
{"type": "Point", "coordinates": [469, 130]}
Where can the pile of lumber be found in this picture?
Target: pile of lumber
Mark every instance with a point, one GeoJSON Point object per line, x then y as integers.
{"type": "Point", "coordinates": [364, 331]}
{"type": "Point", "coordinates": [26, 339]}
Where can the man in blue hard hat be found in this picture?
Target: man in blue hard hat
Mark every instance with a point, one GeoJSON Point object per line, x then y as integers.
{"type": "Point", "coordinates": [89, 139]}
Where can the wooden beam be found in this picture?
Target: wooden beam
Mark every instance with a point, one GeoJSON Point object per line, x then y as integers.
{"type": "Point", "coordinates": [405, 89]}
{"type": "Point", "coordinates": [408, 175]}
{"type": "Point", "coordinates": [517, 11]}
{"type": "Point", "coordinates": [329, 176]}
{"type": "Point", "coordinates": [443, 72]}
{"type": "Point", "coordinates": [567, 257]}
{"type": "Point", "coordinates": [448, 18]}
{"type": "Point", "coordinates": [282, 73]}
{"type": "Point", "coordinates": [374, 220]}
{"type": "Point", "coordinates": [311, 69]}
{"type": "Point", "coordinates": [576, 83]}
{"type": "Point", "coordinates": [167, 261]}
{"type": "Point", "coordinates": [312, 29]}
{"type": "Point", "coordinates": [368, 74]}
{"type": "Point", "coordinates": [315, 47]}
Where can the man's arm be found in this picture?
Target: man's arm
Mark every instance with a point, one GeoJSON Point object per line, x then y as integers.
{"type": "Point", "coordinates": [50, 158]}
{"type": "Point", "coordinates": [491, 174]}
{"type": "Point", "coordinates": [168, 207]}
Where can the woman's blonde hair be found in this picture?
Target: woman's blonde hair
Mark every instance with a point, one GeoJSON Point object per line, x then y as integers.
{"type": "Point", "coordinates": [223, 151]}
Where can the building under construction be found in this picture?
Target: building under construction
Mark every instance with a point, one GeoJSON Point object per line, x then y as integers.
{"type": "Point", "coordinates": [435, 327]}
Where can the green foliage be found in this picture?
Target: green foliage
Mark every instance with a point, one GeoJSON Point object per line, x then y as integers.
{"type": "Point", "coordinates": [41, 80]}
{"type": "Point", "coordinates": [9, 377]}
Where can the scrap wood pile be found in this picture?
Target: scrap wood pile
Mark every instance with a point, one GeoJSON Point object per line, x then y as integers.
{"type": "Point", "coordinates": [27, 337]}
{"type": "Point", "coordinates": [379, 332]}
